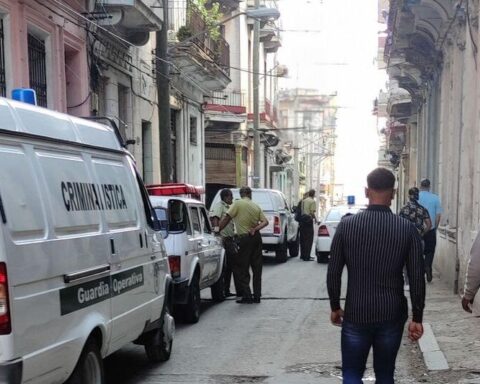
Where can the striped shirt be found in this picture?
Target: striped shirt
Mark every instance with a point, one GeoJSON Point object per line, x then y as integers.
{"type": "Point", "coordinates": [375, 245]}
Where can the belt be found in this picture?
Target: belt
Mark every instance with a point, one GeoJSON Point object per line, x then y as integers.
{"type": "Point", "coordinates": [242, 235]}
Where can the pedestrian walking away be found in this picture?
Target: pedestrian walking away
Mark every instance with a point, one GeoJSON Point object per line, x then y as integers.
{"type": "Point", "coordinates": [472, 278]}
{"type": "Point", "coordinates": [418, 215]}
{"type": "Point", "coordinates": [374, 245]}
{"type": "Point", "coordinates": [249, 220]}
{"type": "Point", "coordinates": [307, 219]}
{"type": "Point", "coordinates": [432, 202]}
{"type": "Point", "coordinates": [217, 213]}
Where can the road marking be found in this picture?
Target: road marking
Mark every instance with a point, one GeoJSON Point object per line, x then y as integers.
{"type": "Point", "coordinates": [432, 355]}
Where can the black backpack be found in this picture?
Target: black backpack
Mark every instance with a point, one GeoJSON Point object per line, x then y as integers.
{"type": "Point", "coordinates": [301, 217]}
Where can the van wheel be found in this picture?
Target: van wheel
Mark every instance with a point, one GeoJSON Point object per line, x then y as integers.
{"type": "Point", "coordinates": [218, 289]}
{"type": "Point", "coordinates": [159, 346]}
{"type": "Point", "coordinates": [294, 246]}
{"type": "Point", "coordinates": [281, 252]}
{"type": "Point", "coordinates": [89, 369]}
{"type": "Point", "coordinates": [191, 311]}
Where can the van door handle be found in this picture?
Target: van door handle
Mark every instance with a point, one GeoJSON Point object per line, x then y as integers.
{"type": "Point", "coordinates": [112, 246]}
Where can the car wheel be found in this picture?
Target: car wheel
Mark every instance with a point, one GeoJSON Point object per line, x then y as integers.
{"type": "Point", "coordinates": [294, 246]}
{"type": "Point", "coordinates": [322, 257]}
{"type": "Point", "coordinates": [218, 289]}
{"type": "Point", "coordinates": [159, 346]}
{"type": "Point", "coordinates": [191, 310]}
{"type": "Point", "coordinates": [89, 369]}
{"type": "Point", "coordinates": [281, 254]}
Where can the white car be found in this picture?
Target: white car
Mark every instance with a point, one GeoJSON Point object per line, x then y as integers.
{"type": "Point", "coordinates": [195, 254]}
{"type": "Point", "coordinates": [327, 228]}
{"type": "Point", "coordinates": [281, 233]}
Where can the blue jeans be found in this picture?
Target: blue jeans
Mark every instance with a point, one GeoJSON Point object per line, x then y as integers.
{"type": "Point", "coordinates": [356, 343]}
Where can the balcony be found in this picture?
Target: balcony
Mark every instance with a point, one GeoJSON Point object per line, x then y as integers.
{"type": "Point", "coordinates": [132, 19]}
{"type": "Point", "coordinates": [268, 114]}
{"type": "Point", "coordinates": [227, 101]}
{"type": "Point", "coordinates": [198, 55]}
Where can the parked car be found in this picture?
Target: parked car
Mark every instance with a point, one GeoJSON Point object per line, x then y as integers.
{"type": "Point", "coordinates": [281, 233]}
{"type": "Point", "coordinates": [83, 269]}
{"type": "Point", "coordinates": [327, 228]}
{"type": "Point", "coordinates": [195, 254]}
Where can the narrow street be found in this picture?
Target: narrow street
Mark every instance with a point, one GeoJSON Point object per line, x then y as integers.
{"type": "Point", "coordinates": [285, 339]}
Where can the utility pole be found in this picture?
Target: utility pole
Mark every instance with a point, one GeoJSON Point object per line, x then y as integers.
{"type": "Point", "coordinates": [256, 100]}
{"type": "Point", "coordinates": [163, 89]}
{"type": "Point", "coordinates": [296, 176]}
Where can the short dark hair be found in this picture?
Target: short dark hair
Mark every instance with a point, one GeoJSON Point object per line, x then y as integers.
{"type": "Point", "coordinates": [381, 179]}
{"type": "Point", "coordinates": [413, 192]}
{"type": "Point", "coordinates": [225, 193]}
{"type": "Point", "coordinates": [425, 183]}
{"type": "Point", "coordinates": [245, 191]}
{"type": "Point", "coordinates": [311, 193]}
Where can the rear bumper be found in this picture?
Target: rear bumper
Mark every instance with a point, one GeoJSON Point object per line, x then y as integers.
{"type": "Point", "coordinates": [11, 372]}
{"type": "Point", "coordinates": [180, 291]}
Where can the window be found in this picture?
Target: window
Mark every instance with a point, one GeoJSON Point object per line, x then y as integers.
{"type": "Point", "coordinates": [37, 68]}
{"type": "Point", "coordinates": [178, 217]}
{"type": "Point", "coordinates": [197, 229]}
{"type": "Point", "coordinates": [193, 130]}
{"type": "Point", "coordinates": [73, 80]}
{"type": "Point", "coordinates": [3, 80]}
{"type": "Point", "coordinates": [147, 155]}
{"type": "Point", "coordinates": [207, 228]}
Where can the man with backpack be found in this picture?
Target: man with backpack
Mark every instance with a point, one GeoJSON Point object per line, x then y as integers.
{"type": "Point", "coordinates": [305, 216]}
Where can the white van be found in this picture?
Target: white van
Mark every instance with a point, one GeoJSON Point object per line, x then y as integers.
{"type": "Point", "coordinates": [83, 270]}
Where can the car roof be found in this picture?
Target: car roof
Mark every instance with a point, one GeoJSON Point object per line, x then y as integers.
{"type": "Point", "coordinates": [162, 201]}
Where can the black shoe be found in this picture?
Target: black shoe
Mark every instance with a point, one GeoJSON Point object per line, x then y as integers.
{"type": "Point", "coordinates": [229, 294]}
{"type": "Point", "coordinates": [256, 300]}
{"type": "Point", "coordinates": [245, 300]}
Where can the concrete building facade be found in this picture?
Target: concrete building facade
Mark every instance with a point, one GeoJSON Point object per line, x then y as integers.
{"type": "Point", "coordinates": [432, 57]}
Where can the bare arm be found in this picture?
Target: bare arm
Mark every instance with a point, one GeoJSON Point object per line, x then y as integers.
{"type": "Point", "coordinates": [262, 224]}
{"type": "Point", "coordinates": [224, 222]}
{"type": "Point", "coordinates": [437, 220]}
{"type": "Point", "coordinates": [428, 224]}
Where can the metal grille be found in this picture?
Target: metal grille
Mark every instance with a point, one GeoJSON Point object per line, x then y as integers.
{"type": "Point", "coordinates": [3, 83]}
{"type": "Point", "coordinates": [37, 68]}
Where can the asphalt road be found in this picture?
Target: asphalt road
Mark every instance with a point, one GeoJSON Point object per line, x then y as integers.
{"type": "Point", "coordinates": [287, 338]}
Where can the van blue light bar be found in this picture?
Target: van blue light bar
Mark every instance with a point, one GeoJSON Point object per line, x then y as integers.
{"type": "Point", "coordinates": [25, 95]}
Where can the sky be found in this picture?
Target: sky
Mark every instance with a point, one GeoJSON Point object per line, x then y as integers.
{"type": "Point", "coordinates": [338, 55]}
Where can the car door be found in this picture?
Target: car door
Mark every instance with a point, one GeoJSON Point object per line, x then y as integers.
{"type": "Point", "coordinates": [292, 224]}
{"type": "Point", "coordinates": [197, 242]}
{"type": "Point", "coordinates": [212, 246]}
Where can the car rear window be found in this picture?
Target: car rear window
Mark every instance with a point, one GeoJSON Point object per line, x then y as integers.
{"type": "Point", "coordinates": [336, 214]}
{"type": "Point", "coordinates": [262, 198]}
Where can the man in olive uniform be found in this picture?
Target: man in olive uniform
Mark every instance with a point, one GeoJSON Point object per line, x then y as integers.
{"type": "Point", "coordinates": [217, 213]}
{"type": "Point", "coordinates": [249, 220]}
{"type": "Point", "coordinates": [309, 207]}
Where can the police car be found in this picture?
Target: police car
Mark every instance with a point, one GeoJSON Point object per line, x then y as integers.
{"type": "Point", "coordinates": [195, 254]}
{"type": "Point", "coordinates": [83, 269]}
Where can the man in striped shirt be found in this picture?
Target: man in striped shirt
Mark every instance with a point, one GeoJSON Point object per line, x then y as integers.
{"type": "Point", "coordinates": [375, 245]}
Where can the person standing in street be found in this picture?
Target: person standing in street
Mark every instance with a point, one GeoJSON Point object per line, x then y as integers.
{"type": "Point", "coordinates": [432, 202]}
{"type": "Point", "coordinates": [472, 278]}
{"type": "Point", "coordinates": [308, 209]}
{"type": "Point", "coordinates": [217, 213]}
{"type": "Point", "coordinates": [374, 245]}
{"type": "Point", "coordinates": [249, 220]}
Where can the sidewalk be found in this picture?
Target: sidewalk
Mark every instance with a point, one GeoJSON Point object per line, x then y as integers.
{"type": "Point", "coordinates": [457, 334]}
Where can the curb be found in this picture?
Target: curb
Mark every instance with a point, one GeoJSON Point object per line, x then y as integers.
{"type": "Point", "coordinates": [432, 355]}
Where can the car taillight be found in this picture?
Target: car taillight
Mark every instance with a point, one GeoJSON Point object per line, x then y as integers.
{"type": "Point", "coordinates": [175, 263]}
{"type": "Point", "coordinates": [323, 230]}
{"type": "Point", "coordinates": [276, 225]}
{"type": "Point", "coordinates": [5, 321]}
